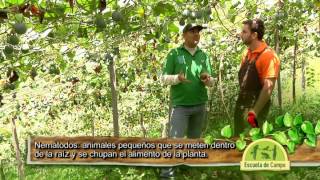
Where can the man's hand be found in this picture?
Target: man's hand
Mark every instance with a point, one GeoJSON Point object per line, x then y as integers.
{"type": "Point", "coordinates": [252, 119]}
{"type": "Point", "coordinates": [205, 78]}
{"type": "Point", "coordinates": [182, 78]}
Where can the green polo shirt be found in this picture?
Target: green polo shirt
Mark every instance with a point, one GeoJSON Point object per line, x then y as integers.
{"type": "Point", "coordinates": [188, 93]}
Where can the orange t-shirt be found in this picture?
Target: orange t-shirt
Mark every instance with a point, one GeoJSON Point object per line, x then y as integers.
{"type": "Point", "coordinates": [268, 64]}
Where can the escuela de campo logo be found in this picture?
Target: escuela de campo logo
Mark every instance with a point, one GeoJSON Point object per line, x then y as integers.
{"type": "Point", "coordinates": [265, 154]}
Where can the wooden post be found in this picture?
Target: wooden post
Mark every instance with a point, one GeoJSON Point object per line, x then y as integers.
{"type": "Point", "coordinates": [303, 76]}
{"type": "Point", "coordinates": [294, 69]}
{"type": "Point", "coordinates": [17, 149]}
{"type": "Point", "coordinates": [115, 113]}
{"type": "Point", "coordinates": [277, 48]}
{"type": "Point", "coordinates": [166, 125]}
{"type": "Point", "coordinates": [144, 131]}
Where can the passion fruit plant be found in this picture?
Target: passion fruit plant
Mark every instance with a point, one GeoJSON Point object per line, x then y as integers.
{"type": "Point", "coordinates": [288, 131]}
{"type": "Point", "coordinates": [92, 67]}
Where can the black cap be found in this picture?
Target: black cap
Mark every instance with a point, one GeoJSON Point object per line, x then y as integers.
{"type": "Point", "coordinates": [189, 27]}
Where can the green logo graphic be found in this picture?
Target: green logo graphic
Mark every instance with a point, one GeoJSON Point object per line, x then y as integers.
{"type": "Point", "coordinates": [265, 154]}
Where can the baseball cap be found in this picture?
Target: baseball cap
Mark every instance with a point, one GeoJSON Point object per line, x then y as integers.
{"type": "Point", "coordinates": [189, 27]}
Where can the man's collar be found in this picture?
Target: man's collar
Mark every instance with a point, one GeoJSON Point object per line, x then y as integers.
{"type": "Point", "coordinates": [262, 46]}
{"type": "Point", "coordinates": [183, 47]}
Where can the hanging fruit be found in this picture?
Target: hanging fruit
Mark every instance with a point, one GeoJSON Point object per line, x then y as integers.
{"type": "Point", "coordinates": [71, 3]}
{"type": "Point", "coordinates": [102, 5]}
{"type": "Point", "coordinates": [116, 16]}
{"type": "Point", "coordinates": [41, 16]}
{"type": "Point", "coordinates": [33, 73]}
{"type": "Point", "coordinates": [24, 9]}
{"type": "Point", "coordinates": [3, 15]}
{"type": "Point", "coordinates": [8, 50]}
{"type": "Point", "coordinates": [155, 77]}
{"type": "Point", "coordinates": [20, 28]}
{"type": "Point", "coordinates": [100, 23]}
{"type": "Point", "coordinates": [13, 40]}
{"type": "Point", "coordinates": [98, 68]}
{"type": "Point", "coordinates": [34, 10]}
{"type": "Point", "coordinates": [12, 75]}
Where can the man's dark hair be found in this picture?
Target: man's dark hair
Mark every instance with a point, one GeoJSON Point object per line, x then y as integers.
{"type": "Point", "coordinates": [256, 25]}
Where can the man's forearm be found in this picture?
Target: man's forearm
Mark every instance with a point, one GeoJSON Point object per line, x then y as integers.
{"type": "Point", "coordinates": [264, 95]}
{"type": "Point", "coordinates": [262, 100]}
{"type": "Point", "coordinates": [170, 79]}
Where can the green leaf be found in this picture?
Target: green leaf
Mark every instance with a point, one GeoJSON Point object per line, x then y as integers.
{"type": "Point", "coordinates": [307, 127]}
{"type": "Point", "coordinates": [279, 121]}
{"type": "Point", "coordinates": [254, 131]}
{"type": "Point", "coordinates": [312, 138]}
{"type": "Point", "coordinates": [280, 137]}
{"type": "Point", "coordinates": [231, 14]}
{"type": "Point", "coordinates": [173, 28]}
{"type": "Point", "coordinates": [5, 133]}
{"type": "Point", "coordinates": [301, 136]}
{"type": "Point", "coordinates": [242, 136]}
{"type": "Point", "coordinates": [317, 128]}
{"type": "Point", "coordinates": [240, 144]}
{"type": "Point", "coordinates": [233, 18]}
{"type": "Point", "coordinates": [256, 137]}
{"type": "Point", "coordinates": [163, 8]}
{"type": "Point", "coordinates": [140, 11]}
{"type": "Point", "coordinates": [226, 131]}
{"type": "Point", "coordinates": [309, 143]}
{"type": "Point", "coordinates": [291, 147]}
{"type": "Point", "coordinates": [60, 10]}
{"type": "Point", "coordinates": [209, 139]}
{"type": "Point", "coordinates": [293, 135]}
{"type": "Point", "coordinates": [19, 18]}
{"type": "Point", "coordinates": [287, 120]}
{"type": "Point", "coordinates": [148, 36]}
{"type": "Point", "coordinates": [134, 27]}
{"type": "Point", "coordinates": [267, 128]}
{"type": "Point", "coordinates": [86, 5]}
{"type": "Point", "coordinates": [297, 120]}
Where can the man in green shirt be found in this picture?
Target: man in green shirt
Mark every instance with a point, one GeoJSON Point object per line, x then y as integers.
{"type": "Point", "coordinates": [187, 69]}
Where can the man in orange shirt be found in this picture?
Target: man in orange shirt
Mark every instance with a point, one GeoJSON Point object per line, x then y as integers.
{"type": "Point", "coordinates": [257, 76]}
